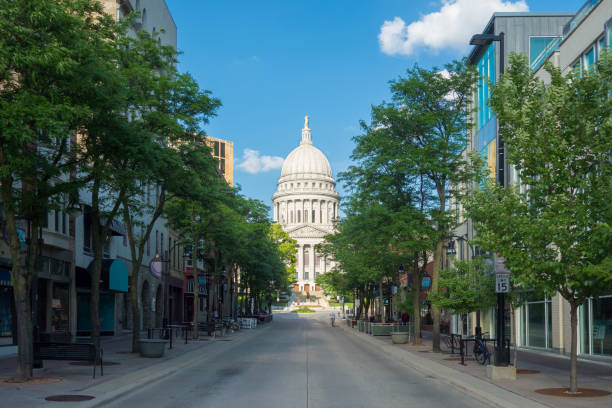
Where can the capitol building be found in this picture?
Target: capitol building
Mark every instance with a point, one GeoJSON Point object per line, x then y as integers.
{"type": "Point", "coordinates": [306, 205]}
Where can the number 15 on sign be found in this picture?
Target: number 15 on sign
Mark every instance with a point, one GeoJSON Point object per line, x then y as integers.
{"type": "Point", "coordinates": [502, 283]}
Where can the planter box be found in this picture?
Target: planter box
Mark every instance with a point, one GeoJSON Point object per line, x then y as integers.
{"type": "Point", "coordinates": [153, 348]}
{"type": "Point", "coordinates": [381, 329]}
{"type": "Point", "coordinates": [400, 337]}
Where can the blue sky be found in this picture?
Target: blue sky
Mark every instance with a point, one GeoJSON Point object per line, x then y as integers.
{"type": "Point", "coordinates": [272, 62]}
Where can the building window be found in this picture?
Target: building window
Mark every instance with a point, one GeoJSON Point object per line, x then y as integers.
{"type": "Point", "coordinates": [595, 327]}
{"type": "Point", "coordinates": [536, 323]}
{"type": "Point", "coordinates": [299, 216]}
{"type": "Point", "coordinates": [537, 45]}
{"type": "Point", "coordinates": [306, 257]}
{"type": "Point", "coordinates": [589, 59]}
{"type": "Point", "coordinates": [486, 73]}
{"type": "Point", "coordinates": [222, 149]}
{"type": "Point", "coordinates": [216, 149]}
{"type": "Point", "coordinates": [313, 216]}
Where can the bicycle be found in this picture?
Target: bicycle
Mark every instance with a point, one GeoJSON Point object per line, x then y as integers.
{"type": "Point", "coordinates": [452, 342]}
{"type": "Point", "coordinates": [481, 352]}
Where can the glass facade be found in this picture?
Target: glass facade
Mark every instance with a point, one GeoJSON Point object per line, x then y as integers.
{"type": "Point", "coordinates": [537, 45]}
{"type": "Point", "coordinates": [486, 73]}
{"type": "Point", "coordinates": [536, 324]}
{"type": "Point", "coordinates": [595, 326]}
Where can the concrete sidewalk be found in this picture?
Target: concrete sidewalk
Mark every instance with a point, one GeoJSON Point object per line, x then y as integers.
{"type": "Point", "coordinates": [128, 371]}
{"type": "Point", "coordinates": [520, 393]}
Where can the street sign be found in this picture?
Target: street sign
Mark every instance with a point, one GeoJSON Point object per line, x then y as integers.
{"type": "Point", "coordinates": [502, 283]}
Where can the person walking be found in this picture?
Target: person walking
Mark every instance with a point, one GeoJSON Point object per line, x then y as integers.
{"type": "Point", "coordinates": [332, 317]}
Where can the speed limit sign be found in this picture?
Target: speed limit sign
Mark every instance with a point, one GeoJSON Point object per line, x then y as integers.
{"type": "Point", "coordinates": [502, 283]}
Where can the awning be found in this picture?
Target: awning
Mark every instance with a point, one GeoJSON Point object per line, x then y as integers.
{"type": "Point", "coordinates": [114, 276]}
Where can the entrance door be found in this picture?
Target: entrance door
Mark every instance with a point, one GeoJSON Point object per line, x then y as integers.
{"type": "Point", "coordinates": [296, 288]}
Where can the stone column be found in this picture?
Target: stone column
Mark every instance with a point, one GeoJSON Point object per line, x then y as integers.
{"type": "Point", "coordinates": [312, 263]}
{"type": "Point", "coordinates": [300, 266]}
{"type": "Point", "coordinates": [275, 216]}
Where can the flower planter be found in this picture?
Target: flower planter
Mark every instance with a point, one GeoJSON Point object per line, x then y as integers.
{"type": "Point", "coordinates": [153, 348]}
{"type": "Point", "coordinates": [400, 337]}
{"type": "Point", "coordinates": [381, 329]}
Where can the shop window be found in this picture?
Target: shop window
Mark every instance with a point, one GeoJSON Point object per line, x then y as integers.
{"type": "Point", "coordinates": [536, 324]}
{"type": "Point", "coordinates": [595, 326]}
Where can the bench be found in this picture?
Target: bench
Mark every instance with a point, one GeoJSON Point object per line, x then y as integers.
{"type": "Point", "coordinates": [69, 352]}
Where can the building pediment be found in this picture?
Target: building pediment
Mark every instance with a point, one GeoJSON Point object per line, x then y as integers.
{"type": "Point", "coordinates": [307, 231]}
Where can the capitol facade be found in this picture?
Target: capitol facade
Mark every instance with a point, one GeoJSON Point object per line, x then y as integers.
{"type": "Point", "coordinates": [306, 205]}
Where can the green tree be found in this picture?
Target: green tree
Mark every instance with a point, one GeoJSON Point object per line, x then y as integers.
{"type": "Point", "coordinates": [50, 76]}
{"type": "Point", "coordinates": [410, 155]}
{"type": "Point", "coordinates": [287, 247]}
{"type": "Point", "coordinates": [467, 287]}
{"type": "Point", "coordinates": [170, 107]}
{"type": "Point", "coordinates": [554, 234]}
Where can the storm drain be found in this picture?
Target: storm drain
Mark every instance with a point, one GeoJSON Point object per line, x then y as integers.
{"type": "Point", "coordinates": [69, 398]}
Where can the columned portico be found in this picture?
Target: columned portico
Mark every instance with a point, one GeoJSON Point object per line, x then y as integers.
{"type": "Point", "coordinates": [305, 205]}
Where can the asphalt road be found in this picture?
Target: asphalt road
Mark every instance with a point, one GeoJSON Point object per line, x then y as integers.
{"type": "Point", "coordinates": [297, 361]}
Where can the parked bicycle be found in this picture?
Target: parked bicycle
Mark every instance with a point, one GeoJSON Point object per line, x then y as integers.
{"type": "Point", "coordinates": [481, 352]}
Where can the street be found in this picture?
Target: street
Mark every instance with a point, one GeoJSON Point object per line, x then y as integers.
{"type": "Point", "coordinates": [297, 361]}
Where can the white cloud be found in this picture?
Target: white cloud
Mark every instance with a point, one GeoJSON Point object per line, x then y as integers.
{"type": "Point", "coordinates": [450, 27]}
{"type": "Point", "coordinates": [253, 163]}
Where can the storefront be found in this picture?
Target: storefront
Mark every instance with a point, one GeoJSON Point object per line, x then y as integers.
{"type": "Point", "coordinates": [7, 308]}
{"type": "Point", "coordinates": [113, 281]}
{"type": "Point", "coordinates": [595, 326]}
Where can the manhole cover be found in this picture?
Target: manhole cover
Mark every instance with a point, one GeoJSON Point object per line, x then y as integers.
{"type": "Point", "coordinates": [521, 371]}
{"type": "Point", "coordinates": [87, 363]}
{"type": "Point", "coordinates": [564, 392]}
{"type": "Point", "coordinates": [69, 398]}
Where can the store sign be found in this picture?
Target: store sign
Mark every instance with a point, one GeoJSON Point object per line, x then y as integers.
{"type": "Point", "coordinates": [502, 282]}
{"type": "Point", "coordinates": [156, 269]}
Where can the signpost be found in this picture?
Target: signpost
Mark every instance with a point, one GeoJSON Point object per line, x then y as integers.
{"type": "Point", "coordinates": [502, 286]}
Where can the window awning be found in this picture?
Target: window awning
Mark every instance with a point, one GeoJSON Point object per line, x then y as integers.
{"type": "Point", "coordinates": [114, 276]}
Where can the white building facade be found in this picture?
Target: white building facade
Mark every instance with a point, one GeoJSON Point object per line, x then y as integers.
{"type": "Point", "coordinates": [306, 207]}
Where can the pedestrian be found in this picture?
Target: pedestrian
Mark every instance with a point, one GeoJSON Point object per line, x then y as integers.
{"type": "Point", "coordinates": [216, 314]}
{"type": "Point", "coordinates": [332, 317]}
{"type": "Point", "coordinates": [405, 318]}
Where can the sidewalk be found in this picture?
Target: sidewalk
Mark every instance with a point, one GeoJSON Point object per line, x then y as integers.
{"type": "Point", "coordinates": [125, 368]}
{"type": "Point", "coordinates": [520, 393]}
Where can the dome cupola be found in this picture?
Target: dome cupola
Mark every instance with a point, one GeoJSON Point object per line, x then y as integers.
{"type": "Point", "coordinates": [306, 161]}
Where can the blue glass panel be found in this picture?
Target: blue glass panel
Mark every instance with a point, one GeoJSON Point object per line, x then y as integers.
{"type": "Point", "coordinates": [536, 46]}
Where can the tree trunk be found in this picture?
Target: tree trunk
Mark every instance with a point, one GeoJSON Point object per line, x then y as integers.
{"type": "Point", "coordinates": [135, 309]}
{"type": "Point", "coordinates": [416, 305]}
{"type": "Point", "coordinates": [574, 348]}
{"type": "Point", "coordinates": [22, 278]}
{"type": "Point", "coordinates": [435, 310]}
{"type": "Point", "coordinates": [98, 248]}
{"type": "Point", "coordinates": [196, 286]}
{"type": "Point", "coordinates": [381, 306]}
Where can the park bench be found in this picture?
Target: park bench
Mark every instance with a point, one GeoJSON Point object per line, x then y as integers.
{"type": "Point", "coordinates": [69, 352]}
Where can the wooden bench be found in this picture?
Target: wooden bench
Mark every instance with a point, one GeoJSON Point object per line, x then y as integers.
{"type": "Point", "coordinates": [69, 352]}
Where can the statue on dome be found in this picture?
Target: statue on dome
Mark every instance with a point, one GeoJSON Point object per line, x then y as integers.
{"type": "Point", "coordinates": [306, 122]}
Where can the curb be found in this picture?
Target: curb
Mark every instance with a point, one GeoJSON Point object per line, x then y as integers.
{"type": "Point", "coordinates": [116, 388]}
{"type": "Point", "coordinates": [483, 391]}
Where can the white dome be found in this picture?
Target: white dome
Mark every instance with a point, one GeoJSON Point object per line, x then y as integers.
{"type": "Point", "coordinates": [306, 162]}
